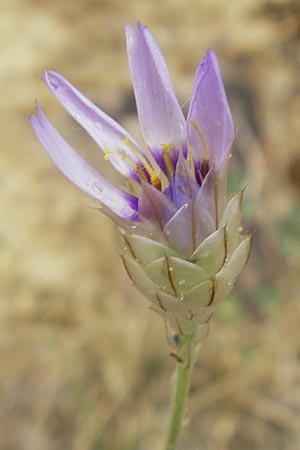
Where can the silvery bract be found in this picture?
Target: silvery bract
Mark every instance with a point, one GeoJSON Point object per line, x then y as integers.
{"type": "Point", "coordinates": [179, 234]}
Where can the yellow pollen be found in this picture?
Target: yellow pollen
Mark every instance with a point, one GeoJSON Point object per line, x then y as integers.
{"type": "Point", "coordinates": [142, 172]}
{"type": "Point", "coordinates": [107, 154]}
{"type": "Point", "coordinates": [167, 161]}
{"type": "Point", "coordinates": [154, 179]}
{"type": "Point", "coordinates": [121, 154]}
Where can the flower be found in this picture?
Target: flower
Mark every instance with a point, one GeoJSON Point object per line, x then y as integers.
{"type": "Point", "coordinates": [179, 234]}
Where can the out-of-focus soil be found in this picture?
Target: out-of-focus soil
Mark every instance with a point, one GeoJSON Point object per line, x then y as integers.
{"type": "Point", "coordinates": [83, 363]}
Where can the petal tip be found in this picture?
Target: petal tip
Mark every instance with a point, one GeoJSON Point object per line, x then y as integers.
{"type": "Point", "coordinates": [207, 62]}
{"type": "Point", "coordinates": [210, 53]}
{"type": "Point", "coordinates": [51, 79]}
{"type": "Point", "coordinates": [212, 59]}
{"type": "Point", "coordinates": [45, 76]}
{"type": "Point", "coordinates": [140, 26]}
{"type": "Point", "coordinates": [39, 112]}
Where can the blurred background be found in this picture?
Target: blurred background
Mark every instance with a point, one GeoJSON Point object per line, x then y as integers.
{"type": "Point", "coordinates": [83, 364]}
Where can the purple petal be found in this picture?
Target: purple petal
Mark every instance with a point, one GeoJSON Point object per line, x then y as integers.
{"type": "Point", "coordinates": [74, 167]}
{"type": "Point", "coordinates": [121, 149]}
{"type": "Point", "coordinates": [160, 116]}
{"type": "Point", "coordinates": [155, 206]}
{"type": "Point", "coordinates": [209, 204]}
{"type": "Point", "coordinates": [209, 112]}
{"type": "Point", "coordinates": [183, 186]}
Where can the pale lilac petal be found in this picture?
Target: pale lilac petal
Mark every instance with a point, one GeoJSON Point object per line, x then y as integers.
{"type": "Point", "coordinates": [74, 167]}
{"type": "Point", "coordinates": [160, 116]}
{"type": "Point", "coordinates": [183, 186]}
{"type": "Point", "coordinates": [107, 133]}
{"type": "Point", "coordinates": [209, 111]}
{"type": "Point", "coordinates": [209, 204]}
{"type": "Point", "coordinates": [154, 206]}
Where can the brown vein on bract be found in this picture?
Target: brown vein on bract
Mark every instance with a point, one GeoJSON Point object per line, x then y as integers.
{"type": "Point", "coordinates": [178, 325]}
{"type": "Point", "coordinates": [177, 357]}
{"type": "Point", "coordinates": [250, 237]}
{"type": "Point", "coordinates": [129, 246]}
{"type": "Point", "coordinates": [225, 245]}
{"type": "Point", "coordinates": [126, 268]}
{"type": "Point", "coordinates": [170, 278]}
{"type": "Point", "coordinates": [209, 317]}
{"type": "Point", "coordinates": [160, 303]}
{"type": "Point", "coordinates": [207, 321]}
{"type": "Point", "coordinates": [212, 293]}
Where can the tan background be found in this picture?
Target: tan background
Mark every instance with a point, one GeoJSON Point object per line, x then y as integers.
{"type": "Point", "coordinates": [83, 364]}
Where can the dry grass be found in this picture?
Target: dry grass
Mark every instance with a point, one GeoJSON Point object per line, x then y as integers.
{"type": "Point", "coordinates": [83, 364]}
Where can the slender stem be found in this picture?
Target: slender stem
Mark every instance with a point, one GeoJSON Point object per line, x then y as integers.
{"type": "Point", "coordinates": [179, 400]}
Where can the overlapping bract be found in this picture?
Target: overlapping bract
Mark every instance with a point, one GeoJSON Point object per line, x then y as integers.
{"type": "Point", "coordinates": [180, 238]}
{"type": "Point", "coordinates": [186, 290]}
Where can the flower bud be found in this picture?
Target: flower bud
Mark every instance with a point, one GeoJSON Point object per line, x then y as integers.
{"type": "Point", "coordinates": [180, 236]}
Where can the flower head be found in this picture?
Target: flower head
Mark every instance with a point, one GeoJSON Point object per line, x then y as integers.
{"type": "Point", "coordinates": [180, 236]}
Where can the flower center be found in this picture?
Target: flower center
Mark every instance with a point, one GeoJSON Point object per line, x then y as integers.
{"type": "Point", "coordinates": [144, 170]}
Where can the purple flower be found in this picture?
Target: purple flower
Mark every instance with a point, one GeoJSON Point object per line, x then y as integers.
{"type": "Point", "coordinates": [176, 190]}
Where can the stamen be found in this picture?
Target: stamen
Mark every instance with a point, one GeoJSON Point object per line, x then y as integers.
{"type": "Point", "coordinates": [107, 154]}
{"type": "Point", "coordinates": [145, 173]}
{"type": "Point", "coordinates": [204, 167]}
{"type": "Point", "coordinates": [205, 159]}
{"type": "Point", "coordinates": [167, 161]}
{"type": "Point", "coordinates": [201, 137]}
{"type": "Point", "coordinates": [154, 179]}
{"type": "Point", "coordinates": [138, 170]}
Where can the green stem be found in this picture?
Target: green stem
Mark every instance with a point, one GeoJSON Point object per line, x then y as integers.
{"type": "Point", "coordinates": [179, 400]}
